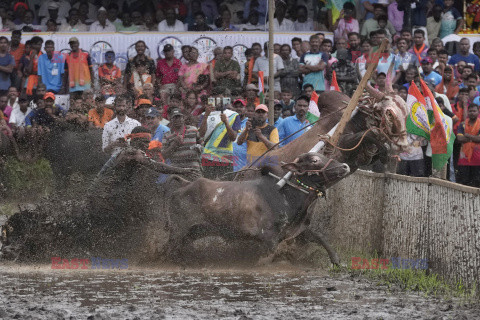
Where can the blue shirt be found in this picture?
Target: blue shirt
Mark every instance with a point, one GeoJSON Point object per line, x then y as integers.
{"type": "Point", "coordinates": [316, 79]}
{"type": "Point", "coordinates": [433, 75]}
{"type": "Point", "coordinates": [159, 132]}
{"type": "Point", "coordinates": [51, 70]}
{"type": "Point", "coordinates": [6, 61]}
{"type": "Point", "coordinates": [471, 59]}
{"type": "Point", "coordinates": [278, 122]}
{"type": "Point", "coordinates": [290, 125]}
{"type": "Point", "coordinates": [240, 151]}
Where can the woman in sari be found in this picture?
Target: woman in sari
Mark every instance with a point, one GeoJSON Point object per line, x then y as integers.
{"type": "Point", "coordinates": [194, 75]}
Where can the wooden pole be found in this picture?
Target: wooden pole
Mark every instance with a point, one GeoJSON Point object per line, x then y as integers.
{"type": "Point", "coordinates": [271, 68]}
{"type": "Point", "coordinates": [358, 93]}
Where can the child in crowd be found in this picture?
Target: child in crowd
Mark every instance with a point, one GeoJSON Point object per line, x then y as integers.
{"type": "Point", "coordinates": [287, 102]}
{"type": "Point", "coordinates": [140, 77]}
{"type": "Point", "coordinates": [109, 75]}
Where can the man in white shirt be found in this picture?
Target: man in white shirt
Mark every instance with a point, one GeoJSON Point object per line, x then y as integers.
{"type": "Point", "coordinates": [262, 64]}
{"type": "Point", "coordinates": [303, 23]}
{"type": "Point", "coordinates": [53, 9]}
{"type": "Point", "coordinates": [74, 24]}
{"type": "Point", "coordinates": [17, 117]}
{"type": "Point", "coordinates": [280, 23]}
{"type": "Point", "coordinates": [102, 24]}
{"type": "Point", "coordinates": [12, 96]}
{"type": "Point", "coordinates": [115, 130]}
{"type": "Point", "coordinates": [63, 8]}
{"type": "Point", "coordinates": [171, 24]}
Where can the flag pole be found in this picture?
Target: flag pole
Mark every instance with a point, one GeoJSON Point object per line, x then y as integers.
{"type": "Point", "coordinates": [271, 79]}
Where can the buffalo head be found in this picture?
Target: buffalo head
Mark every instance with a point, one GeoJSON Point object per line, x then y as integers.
{"type": "Point", "coordinates": [317, 171]}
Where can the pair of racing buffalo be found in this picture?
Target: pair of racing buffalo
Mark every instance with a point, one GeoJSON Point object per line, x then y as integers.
{"type": "Point", "coordinates": [126, 213]}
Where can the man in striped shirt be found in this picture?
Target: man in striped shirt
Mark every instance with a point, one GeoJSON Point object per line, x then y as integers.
{"type": "Point", "coordinates": [182, 145]}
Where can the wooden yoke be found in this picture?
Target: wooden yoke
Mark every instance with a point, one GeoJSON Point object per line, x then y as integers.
{"type": "Point", "coordinates": [375, 57]}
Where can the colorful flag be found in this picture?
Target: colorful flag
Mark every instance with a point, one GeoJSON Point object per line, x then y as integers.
{"type": "Point", "coordinates": [427, 120]}
{"type": "Point", "coordinates": [313, 113]}
{"type": "Point", "coordinates": [261, 87]}
{"type": "Point", "coordinates": [334, 85]}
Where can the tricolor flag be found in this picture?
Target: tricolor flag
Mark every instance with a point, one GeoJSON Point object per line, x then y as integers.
{"type": "Point", "coordinates": [334, 85]}
{"type": "Point", "coordinates": [427, 120]}
{"type": "Point", "coordinates": [313, 113]}
{"type": "Point", "coordinates": [261, 87]}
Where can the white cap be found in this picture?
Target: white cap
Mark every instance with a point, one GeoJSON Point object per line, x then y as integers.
{"type": "Point", "coordinates": [102, 9]}
{"type": "Point", "coordinates": [110, 100]}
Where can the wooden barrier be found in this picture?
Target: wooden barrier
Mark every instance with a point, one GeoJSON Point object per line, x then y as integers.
{"type": "Point", "coordinates": [413, 218]}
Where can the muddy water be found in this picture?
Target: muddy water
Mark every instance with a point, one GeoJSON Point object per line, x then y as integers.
{"type": "Point", "coordinates": [43, 293]}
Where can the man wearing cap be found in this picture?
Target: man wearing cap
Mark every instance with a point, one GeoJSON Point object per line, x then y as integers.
{"type": "Point", "coordinates": [99, 115]}
{"type": "Point", "coordinates": [240, 151]}
{"type": "Point", "coordinates": [141, 108]}
{"type": "Point", "coordinates": [152, 122]}
{"type": "Point", "coordinates": [74, 24]}
{"type": "Point", "coordinates": [51, 68]}
{"type": "Point", "coordinates": [102, 24]}
{"type": "Point", "coordinates": [182, 145]}
{"type": "Point", "coordinates": [47, 113]}
{"type": "Point", "coordinates": [251, 97]}
{"type": "Point", "coordinates": [295, 123]}
{"type": "Point", "coordinates": [113, 137]}
{"type": "Point", "coordinates": [259, 135]}
{"type": "Point", "coordinates": [63, 6]}
{"type": "Point", "coordinates": [53, 14]}
{"type": "Point", "coordinates": [428, 73]}
{"type": "Point", "coordinates": [78, 68]}
{"type": "Point", "coordinates": [167, 72]}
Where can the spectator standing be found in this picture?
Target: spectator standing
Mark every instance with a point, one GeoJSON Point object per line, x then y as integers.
{"type": "Point", "coordinates": [194, 75]}
{"type": "Point", "coordinates": [102, 24]}
{"type": "Point", "coordinates": [346, 23]}
{"type": "Point", "coordinates": [249, 75]}
{"type": "Point", "coordinates": [7, 64]}
{"type": "Point", "coordinates": [17, 50]}
{"type": "Point", "coordinates": [74, 24]}
{"type": "Point", "coordinates": [469, 161]}
{"type": "Point", "coordinates": [312, 65]}
{"type": "Point", "coordinates": [167, 72]}
{"type": "Point", "coordinates": [200, 23]}
{"type": "Point", "coordinates": [51, 68]}
{"type": "Point", "coordinates": [240, 151]}
{"type": "Point", "coordinates": [452, 21]}
{"type": "Point", "coordinates": [109, 75]}
{"type": "Point", "coordinates": [412, 162]}
{"type": "Point", "coordinates": [170, 24]}
{"type": "Point", "coordinates": [259, 135]}
{"type": "Point", "coordinates": [114, 131]}
{"type": "Point", "coordinates": [345, 72]}
{"type": "Point", "coordinates": [414, 14]}
{"type": "Point", "coordinates": [403, 59]}
{"type": "Point", "coordinates": [434, 23]}
{"type": "Point", "coordinates": [420, 49]}
{"type": "Point", "coordinates": [31, 69]}
{"type": "Point", "coordinates": [99, 116]}
{"type": "Point", "coordinates": [262, 64]}
{"type": "Point", "coordinates": [182, 145]}
{"type": "Point", "coordinates": [465, 56]}
{"type": "Point", "coordinates": [295, 123]}
{"type": "Point", "coordinates": [227, 71]}
{"type": "Point", "coordinates": [78, 68]}
{"type": "Point", "coordinates": [297, 47]}
{"type": "Point", "coordinates": [140, 48]}
{"type": "Point", "coordinates": [290, 73]}
{"type": "Point", "coordinates": [372, 24]}
{"type": "Point", "coordinates": [395, 16]}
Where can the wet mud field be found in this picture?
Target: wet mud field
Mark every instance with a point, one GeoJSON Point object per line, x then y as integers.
{"type": "Point", "coordinates": [38, 292]}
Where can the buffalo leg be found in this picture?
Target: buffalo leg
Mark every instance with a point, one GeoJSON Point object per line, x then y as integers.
{"type": "Point", "coordinates": [310, 236]}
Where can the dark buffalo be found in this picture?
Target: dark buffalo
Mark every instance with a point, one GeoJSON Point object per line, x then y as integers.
{"type": "Point", "coordinates": [252, 209]}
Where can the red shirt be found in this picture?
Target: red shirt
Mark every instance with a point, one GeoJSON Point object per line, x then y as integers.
{"type": "Point", "coordinates": [168, 74]}
{"type": "Point", "coordinates": [18, 53]}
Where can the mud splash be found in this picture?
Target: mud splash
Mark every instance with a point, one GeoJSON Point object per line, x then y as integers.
{"type": "Point", "coordinates": [43, 293]}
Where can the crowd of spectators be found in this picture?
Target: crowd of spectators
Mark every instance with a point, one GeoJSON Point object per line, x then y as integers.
{"type": "Point", "coordinates": [209, 116]}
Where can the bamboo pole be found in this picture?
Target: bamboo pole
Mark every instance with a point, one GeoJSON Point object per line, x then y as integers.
{"type": "Point", "coordinates": [271, 68]}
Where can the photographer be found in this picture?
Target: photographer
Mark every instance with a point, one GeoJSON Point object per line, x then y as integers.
{"type": "Point", "coordinates": [260, 136]}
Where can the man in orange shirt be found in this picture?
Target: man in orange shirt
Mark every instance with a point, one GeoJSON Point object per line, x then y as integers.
{"type": "Point", "coordinates": [109, 75]}
{"type": "Point", "coordinates": [17, 50]}
{"type": "Point", "coordinates": [99, 116]}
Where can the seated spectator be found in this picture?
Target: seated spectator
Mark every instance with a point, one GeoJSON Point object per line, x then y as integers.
{"type": "Point", "coordinates": [307, 91]}
{"type": "Point", "coordinates": [419, 47]}
{"type": "Point", "coordinates": [109, 75]}
{"type": "Point", "coordinates": [53, 14]}
{"type": "Point", "coordinates": [227, 71]}
{"type": "Point", "coordinates": [51, 68]}
{"type": "Point", "coordinates": [262, 64]}
{"type": "Point", "coordinates": [51, 26]}
{"type": "Point", "coordinates": [5, 108]}
{"type": "Point", "coordinates": [295, 123]}
{"type": "Point", "coordinates": [12, 96]}
{"type": "Point", "coordinates": [76, 114]}
{"type": "Point", "coordinates": [465, 56]}
{"type": "Point", "coordinates": [171, 24]}
{"type": "Point", "coordinates": [219, 128]}
{"type": "Point", "coordinates": [345, 72]}
{"type": "Point", "coordinates": [303, 23]}
{"type": "Point", "coordinates": [200, 23]}
{"type": "Point", "coordinates": [253, 23]}
{"type": "Point", "coordinates": [114, 131]}
{"type": "Point", "coordinates": [29, 24]}
{"type": "Point", "coordinates": [452, 21]}
{"type": "Point", "coordinates": [259, 135]}
{"type": "Point", "coordinates": [279, 22]}
{"type": "Point", "coordinates": [190, 74]}
{"type": "Point", "coordinates": [127, 24]}
{"type": "Point", "coordinates": [151, 23]}
{"type": "Point", "coordinates": [137, 20]}
{"type": "Point", "coordinates": [99, 115]}
{"type": "Point", "coordinates": [290, 73]}
{"type": "Point", "coordinates": [373, 24]}
{"type": "Point", "coordinates": [63, 7]}
{"type": "Point", "coordinates": [178, 6]}
{"type": "Point", "coordinates": [141, 107]}
{"type": "Point", "coordinates": [428, 73]}
{"type": "Point", "coordinates": [88, 9]}
{"type": "Point", "coordinates": [235, 8]}
{"type": "Point", "coordinates": [432, 54]}
{"type": "Point", "coordinates": [346, 23]}
{"type": "Point", "coordinates": [102, 24]}
{"type": "Point", "coordinates": [225, 21]}
{"type": "Point", "coordinates": [153, 120]}
{"type": "Point", "coordinates": [41, 91]}
{"type": "Point", "coordinates": [112, 15]}
{"type": "Point", "coordinates": [74, 24]}
{"type": "Point", "coordinates": [448, 85]}
{"type": "Point", "coordinates": [19, 10]}
{"type": "Point", "coordinates": [47, 113]}
{"type": "Point", "coordinates": [182, 145]}
{"type": "Point", "coordinates": [469, 161]}
{"type": "Point", "coordinates": [18, 115]}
